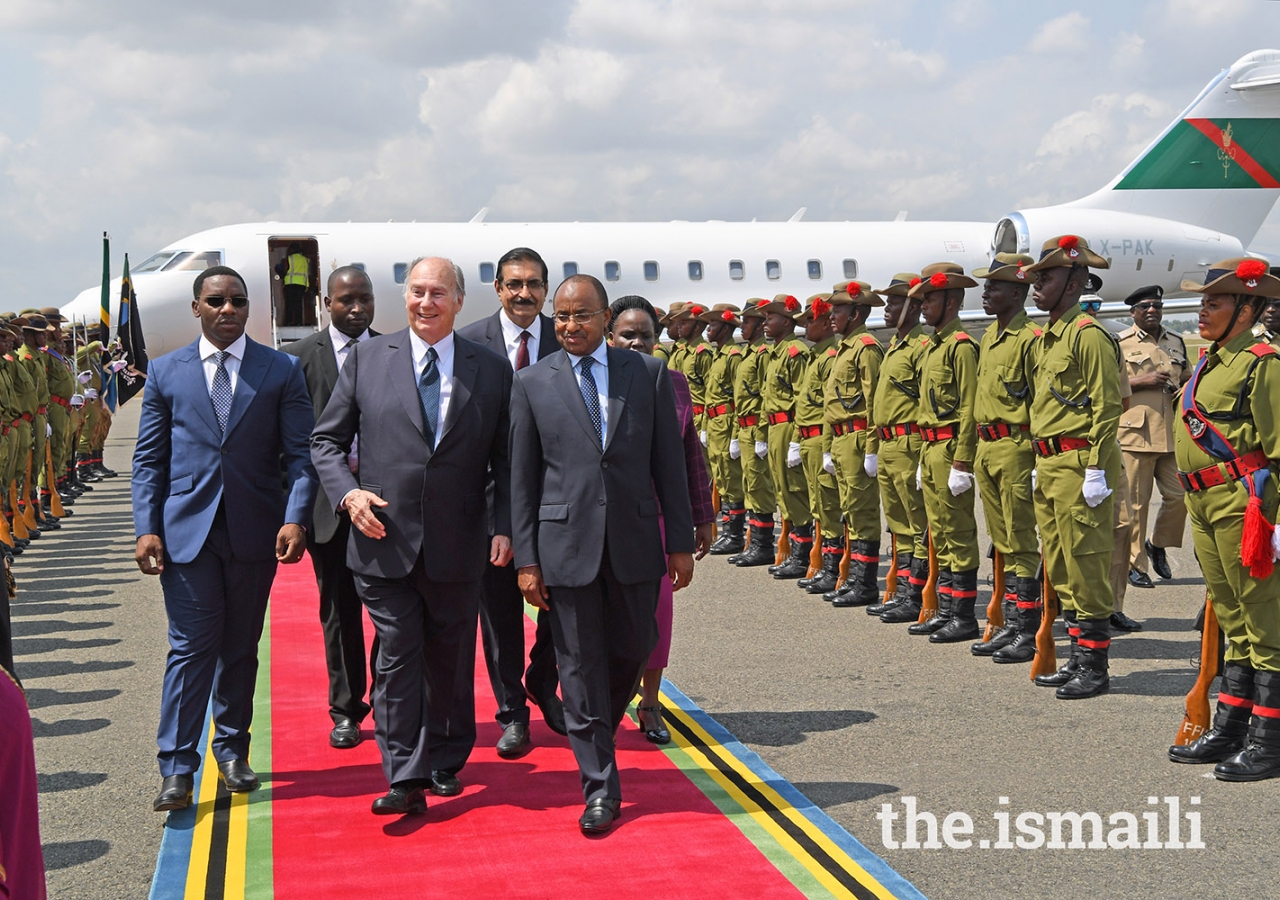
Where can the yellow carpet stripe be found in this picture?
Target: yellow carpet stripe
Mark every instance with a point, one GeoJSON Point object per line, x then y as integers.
{"type": "Point", "coordinates": [237, 842]}
{"type": "Point", "coordinates": [202, 834]}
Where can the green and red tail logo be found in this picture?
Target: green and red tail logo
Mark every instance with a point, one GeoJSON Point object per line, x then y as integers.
{"type": "Point", "coordinates": [1210, 154]}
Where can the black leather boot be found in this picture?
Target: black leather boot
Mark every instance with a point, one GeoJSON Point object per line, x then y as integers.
{"type": "Point", "coordinates": [1063, 675]}
{"type": "Point", "coordinates": [943, 615]}
{"type": "Point", "coordinates": [1230, 720]}
{"type": "Point", "coordinates": [963, 624]}
{"type": "Point", "coordinates": [903, 568]}
{"type": "Point", "coordinates": [761, 552]}
{"type": "Point", "coordinates": [795, 565]}
{"type": "Point", "coordinates": [732, 538]}
{"type": "Point", "coordinates": [85, 471]}
{"type": "Point", "coordinates": [849, 586]}
{"type": "Point", "coordinates": [909, 610]}
{"type": "Point", "coordinates": [827, 577]}
{"type": "Point", "coordinates": [864, 575]}
{"type": "Point", "coordinates": [1022, 648]}
{"type": "Point", "coordinates": [103, 470]}
{"type": "Point", "coordinates": [1004, 635]}
{"type": "Point", "coordinates": [1090, 678]}
{"type": "Point", "coordinates": [1260, 758]}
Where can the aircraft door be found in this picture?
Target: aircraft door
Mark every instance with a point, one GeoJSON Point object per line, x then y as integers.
{"type": "Point", "coordinates": [295, 282]}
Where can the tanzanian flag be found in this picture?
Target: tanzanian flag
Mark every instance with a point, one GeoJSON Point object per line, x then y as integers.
{"type": "Point", "coordinates": [131, 379]}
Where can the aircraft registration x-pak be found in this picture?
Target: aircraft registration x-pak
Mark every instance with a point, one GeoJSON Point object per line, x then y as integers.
{"type": "Point", "coordinates": [1197, 194]}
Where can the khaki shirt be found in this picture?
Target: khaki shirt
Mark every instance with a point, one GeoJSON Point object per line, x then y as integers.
{"type": "Point", "coordinates": [811, 401]}
{"type": "Point", "coordinates": [24, 387]}
{"type": "Point", "coordinates": [1226, 378]}
{"type": "Point", "coordinates": [721, 376]}
{"type": "Point", "coordinates": [1076, 385]}
{"type": "Point", "coordinates": [897, 396]}
{"type": "Point", "coordinates": [61, 382]}
{"type": "Point", "coordinates": [696, 364]}
{"type": "Point", "coordinates": [1147, 426]}
{"type": "Point", "coordinates": [1004, 373]}
{"type": "Point", "coordinates": [676, 353]}
{"type": "Point", "coordinates": [949, 386]}
{"type": "Point", "coordinates": [35, 367]}
{"type": "Point", "coordinates": [851, 386]}
{"type": "Point", "coordinates": [783, 373]}
{"type": "Point", "coordinates": [748, 388]}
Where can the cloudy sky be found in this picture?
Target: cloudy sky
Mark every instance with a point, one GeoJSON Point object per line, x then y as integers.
{"type": "Point", "coordinates": [152, 120]}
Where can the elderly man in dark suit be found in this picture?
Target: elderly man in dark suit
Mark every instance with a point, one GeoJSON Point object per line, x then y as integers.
{"type": "Point", "coordinates": [594, 435]}
{"type": "Point", "coordinates": [430, 410]}
{"type": "Point", "coordinates": [224, 425]}
{"type": "Point", "coordinates": [349, 302]}
{"type": "Point", "coordinates": [520, 332]}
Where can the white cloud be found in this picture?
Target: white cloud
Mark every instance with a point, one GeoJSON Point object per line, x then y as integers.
{"type": "Point", "coordinates": [1065, 34]}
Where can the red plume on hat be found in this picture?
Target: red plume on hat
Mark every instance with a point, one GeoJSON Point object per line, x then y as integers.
{"type": "Point", "coordinates": [791, 303]}
{"type": "Point", "coordinates": [696, 310]}
{"type": "Point", "coordinates": [938, 279]}
{"type": "Point", "coordinates": [854, 289]}
{"type": "Point", "coordinates": [914, 282]}
{"type": "Point", "coordinates": [727, 315]}
{"type": "Point", "coordinates": [762, 304]}
{"type": "Point", "coordinates": [1250, 270]}
{"type": "Point", "coordinates": [1070, 242]}
{"type": "Point", "coordinates": [821, 307]}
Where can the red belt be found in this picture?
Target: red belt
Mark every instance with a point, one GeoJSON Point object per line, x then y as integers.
{"type": "Point", "coordinates": [61, 401]}
{"type": "Point", "coordinates": [1212, 476]}
{"type": "Point", "coordinates": [998, 430]}
{"type": "Point", "coordinates": [1055, 445]}
{"type": "Point", "coordinates": [945, 433]}
{"type": "Point", "coordinates": [889, 432]}
{"type": "Point", "coordinates": [26, 417]}
{"type": "Point", "coordinates": [697, 409]}
{"type": "Point", "coordinates": [810, 431]}
{"type": "Point", "coordinates": [714, 411]}
{"type": "Point", "coordinates": [6, 429]}
{"type": "Point", "coordinates": [748, 421]}
{"type": "Point", "coordinates": [849, 426]}
{"type": "Point", "coordinates": [42, 410]}
{"type": "Point", "coordinates": [779, 418]}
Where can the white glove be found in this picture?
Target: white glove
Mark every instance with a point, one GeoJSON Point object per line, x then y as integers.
{"type": "Point", "coordinates": [828, 464]}
{"type": "Point", "coordinates": [919, 478]}
{"type": "Point", "coordinates": [91, 393]}
{"type": "Point", "coordinates": [1095, 488]}
{"type": "Point", "coordinates": [735, 449]}
{"type": "Point", "coordinates": [1275, 543]}
{"type": "Point", "coordinates": [702, 436]}
{"type": "Point", "coordinates": [793, 455]}
{"type": "Point", "coordinates": [85, 377]}
{"type": "Point", "coordinates": [762, 449]}
{"type": "Point", "coordinates": [76, 401]}
{"type": "Point", "coordinates": [119, 365]}
{"type": "Point", "coordinates": [1033, 481]}
{"type": "Point", "coordinates": [959, 482]}
{"type": "Point", "coordinates": [870, 465]}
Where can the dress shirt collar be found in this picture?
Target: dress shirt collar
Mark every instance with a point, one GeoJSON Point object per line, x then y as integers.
{"type": "Point", "coordinates": [511, 331]}
{"type": "Point", "coordinates": [600, 355]}
{"type": "Point", "coordinates": [236, 349]}
{"type": "Point", "coordinates": [443, 348]}
{"type": "Point", "coordinates": [340, 340]}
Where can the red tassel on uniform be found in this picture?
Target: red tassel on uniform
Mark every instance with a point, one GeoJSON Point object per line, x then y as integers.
{"type": "Point", "coordinates": [1255, 547]}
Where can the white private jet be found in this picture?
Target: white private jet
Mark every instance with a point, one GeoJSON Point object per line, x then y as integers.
{"type": "Point", "coordinates": [1198, 193]}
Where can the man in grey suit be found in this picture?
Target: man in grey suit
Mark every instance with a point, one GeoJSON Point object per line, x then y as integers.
{"type": "Point", "coordinates": [594, 435]}
{"type": "Point", "coordinates": [349, 302]}
{"type": "Point", "coordinates": [430, 409]}
{"type": "Point", "coordinates": [520, 332]}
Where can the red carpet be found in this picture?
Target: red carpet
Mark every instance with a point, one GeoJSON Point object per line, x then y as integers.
{"type": "Point", "coordinates": [512, 832]}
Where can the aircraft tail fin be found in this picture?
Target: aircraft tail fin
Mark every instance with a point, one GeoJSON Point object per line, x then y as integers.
{"type": "Point", "coordinates": [1218, 164]}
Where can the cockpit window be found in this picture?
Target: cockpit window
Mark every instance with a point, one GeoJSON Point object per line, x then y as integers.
{"type": "Point", "coordinates": [194, 262]}
{"type": "Point", "coordinates": [155, 262]}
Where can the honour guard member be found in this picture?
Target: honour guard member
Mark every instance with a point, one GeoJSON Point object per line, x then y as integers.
{"type": "Point", "coordinates": [35, 335]}
{"type": "Point", "coordinates": [675, 327]}
{"type": "Point", "coordinates": [723, 449]}
{"type": "Point", "coordinates": [1156, 360]}
{"type": "Point", "coordinates": [1075, 411]}
{"type": "Point", "coordinates": [850, 417]}
{"type": "Point", "coordinates": [1005, 458]}
{"type": "Point", "coordinates": [753, 437]}
{"type": "Point", "coordinates": [660, 349]}
{"type": "Point", "coordinates": [897, 402]}
{"type": "Point", "coordinates": [62, 384]}
{"type": "Point", "coordinates": [696, 363]}
{"type": "Point", "coordinates": [815, 441]}
{"type": "Point", "coordinates": [1227, 445]}
{"type": "Point", "coordinates": [781, 386]}
{"type": "Point", "coordinates": [948, 388]}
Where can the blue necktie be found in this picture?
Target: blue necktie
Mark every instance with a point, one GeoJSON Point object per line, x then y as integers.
{"type": "Point", "coordinates": [590, 396]}
{"type": "Point", "coordinates": [221, 391]}
{"type": "Point", "coordinates": [429, 393]}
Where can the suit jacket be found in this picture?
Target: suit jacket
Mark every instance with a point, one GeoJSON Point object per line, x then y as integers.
{"type": "Point", "coordinates": [570, 498]}
{"type": "Point", "coordinates": [320, 368]}
{"type": "Point", "coordinates": [436, 499]}
{"type": "Point", "coordinates": [183, 466]}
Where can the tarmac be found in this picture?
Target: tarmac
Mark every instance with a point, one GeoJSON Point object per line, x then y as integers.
{"type": "Point", "coordinates": [856, 714]}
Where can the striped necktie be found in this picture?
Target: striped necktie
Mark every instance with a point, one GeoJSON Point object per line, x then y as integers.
{"type": "Point", "coordinates": [429, 393]}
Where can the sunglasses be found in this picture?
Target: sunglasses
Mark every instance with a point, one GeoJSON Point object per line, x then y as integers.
{"type": "Point", "coordinates": [215, 302]}
{"type": "Point", "coordinates": [1091, 305]}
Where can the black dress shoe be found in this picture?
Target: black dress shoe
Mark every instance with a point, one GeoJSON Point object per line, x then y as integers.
{"type": "Point", "coordinates": [599, 815]}
{"type": "Point", "coordinates": [237, 776]}
{"type": "Point", "coordinates": [1124, 623]}
{"type": "Point", "coordinates": [403, 798]}
{"type": "Point", "coordinates": [1159, 560]}
{"type": "Point", "coordinates": [345, 734]}
{"type": "Point", "coordinates": [514, 742]}
{"type": "Point", "coordinates": [175, 793]}
{"type": "Point", "coordinates": [1140, 579]}
{"type": "Point", "coordinates": [552, 712]}
{"type": "Point", "coordinates": [445, 784]}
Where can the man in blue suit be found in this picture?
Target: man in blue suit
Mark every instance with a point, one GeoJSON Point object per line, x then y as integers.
{"type": "Point", "coordinates": [222, 492]}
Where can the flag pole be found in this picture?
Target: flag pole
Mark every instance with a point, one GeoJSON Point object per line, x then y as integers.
{"type": "Point", "coordinates": [104, 325]}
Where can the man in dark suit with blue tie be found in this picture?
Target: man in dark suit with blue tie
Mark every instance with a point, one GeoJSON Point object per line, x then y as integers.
{"type": "Point", "coordinates": [520, 332]}
{"type": "Point", "coordinates": [222, 492]}
{"type": "Point", "coordinates": [594, 436]}
{"type": "Point", "coordinates": [430, 410]}
{"type": "Point", "coordinates": [350, 304]}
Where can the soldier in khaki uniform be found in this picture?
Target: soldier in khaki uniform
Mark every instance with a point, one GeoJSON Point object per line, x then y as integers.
{"type": "Point", "coordinates": [1005, 457]}
{"type": "Point", "coordinates": [97, 417]}
{"type": "Point", "coordinates": [62, 384]}
{"type": "Point", "coordinates": [1075, 411]}
{"type": "Point", "coordinates": [815, 441]}
{"type": "Point", "coordinates": [1156, 361]}
{"type": "Point", "coordinates": [753, 437]}
{"type": "Point", "coordinates": [661, 350]}
{"type": "Point", "coordinates": [1228, 448]}
{"type": "Point", "coordinates": [948, 389]}
{"type": "Point", "coordinates": [677, 348]}
{"type": "Point", "coordinates": [35, 333]}
{"type": "Point", "coordinates": [695, 364]}
{"type": "Point", "coordinates": [723, 449]}
{"type": "Point", "coordinates": [897, 403]}
{"type": "Point", "coordinates": [850, 417]}
{"type": "Point", "coordinates": [9, 414]}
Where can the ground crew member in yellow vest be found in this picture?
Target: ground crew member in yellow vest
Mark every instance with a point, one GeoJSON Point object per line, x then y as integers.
{"type": "Point", "coordinates": [1228, 450]}
{"type": "Point", "coordinates": [849, 416]}
{"type": "Point", "coordinates": [723, 450]}
{"type": "Point", "coordinates": [62, 384]}
{"type": "Point", "coordinates": [661, 350]}
{"type": "Point", "coordinates": [1156, 360]}
{"type": "Point", "coordinates": [1005, 458]}
{"type": "Point", "coordinates": [896, 403]}
{"type": "Point", "coordinates": [782, 379]}
{"type": "Point", "coordinates": [753, 437]}
{"type": "Point", "coordinates": [815, 441]}
{"type": "Point", "coordinates": [1075, 411]}
{"type": "Point", "coordinates": [295, 272]}
{"type": "Point", "coordinates": [948, 389]}
{"type": "Point", "coordinates": [34, 335]}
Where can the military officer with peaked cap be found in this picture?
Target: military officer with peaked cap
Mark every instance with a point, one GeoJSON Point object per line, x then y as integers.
{"type": "Point", "coordinates": [1075, 411]}
{"type": "Point", "coordinates": [752, 435]}
{"type": "Point", "coordinates": [723, 450]}
{"type": "Point", "coordinates": [1227, 445]}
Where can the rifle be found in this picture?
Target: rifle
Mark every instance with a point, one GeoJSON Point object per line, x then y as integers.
{"type": "Point", "coordinates": [929, 598]}
{"type": "Point", "coordinates": [844, 561]}
{"type": "Point", "coordinates": [1046, 659]}
{"type": "Point", "coordinates": [55, 502]}
{"type": "Point", "coordinates": [784, 544]}
{"type": "Point", "coordinates": [19, 523]}
{"type": "Point", "coordinates": [995, 608]}
{"type": "Point", "coordinates": [891, 579]}
{"type": "Point", "coordinates": [715, 504]}
{"type": "Point", "coordinates": [30, 493]}
{"type": "Point", "coordinates": [1196, 717]}
{"type": "Point", "coordinates": [815, 555]}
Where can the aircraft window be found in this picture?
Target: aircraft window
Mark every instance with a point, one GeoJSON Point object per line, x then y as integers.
{"type": "Point", "coordinates": [850, 269]}
{"type": "Point", "coordinates": [612, 271]}
{"type": "Point", "coordinates": [359, 266]}
{"type": "Point", "coordinates": [399, 271]}
{"type": "Point", "coordinates": [650, 270]}
{"type": "Point", "coordinates": [487, 273]}
{"type": "Point", "coordinates": [737, 271]}
{"type": "Point", "coordinates": [154, 262]}
{"type": "Point", "coordinates": [815, 269]}
{"type": "Point", "coordinates": [695, 270]}
{"type": "Point", "coordinates": [194, 262]}
{"type": "Point", "coordinates": [570, 269]}
{"type": "Point", "coordinates": [772, 269]}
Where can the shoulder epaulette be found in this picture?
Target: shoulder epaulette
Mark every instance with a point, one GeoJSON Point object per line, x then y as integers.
{"type": "Point", "coordinates": [702, 348]}
{"type": "Point", "coordinates": [735, 350]}
{"type": "Point", "coordinates": [1036, 331]}
{"type": "Point", "coordinates": [832, 351]}
{"type": "Point", "coordinates": [1084, 321]}
{"type": "Point", "coordinates": [962, 336]}
{"type": "Point", "coordinates": [763, 348]}
{"type": "Point", "coordinates": [1260, 350]}
{"type": "Point", "coordinates": [793, 351]}
{"type": "Point", "coordinates": [868, 340]}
